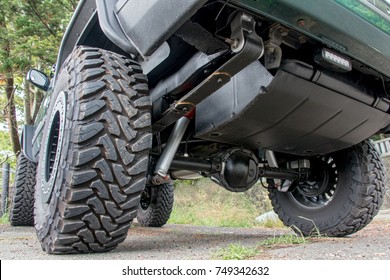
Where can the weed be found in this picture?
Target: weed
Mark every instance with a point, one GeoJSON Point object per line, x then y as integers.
{"type": "Point", "coordinates": [236, 252]}
{"type": "Point", "coordinates": [316, 230]}
{"type": "Point", "coordinates": [286, 239]}
{"type": "Point", "coordinates": [4, 219]}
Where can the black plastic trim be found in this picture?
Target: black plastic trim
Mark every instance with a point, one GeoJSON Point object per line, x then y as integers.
{"type": "Point", "coordinates": [26, 141]}
{"type": "Point", "coordinates": [291, 115]}
{"type": "Point", "coordinates": [111, 28]}
{"type": "Point", "coordinates": [150, 24]}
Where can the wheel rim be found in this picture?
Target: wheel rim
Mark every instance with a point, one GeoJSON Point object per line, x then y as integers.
{"type": "Point", "coordinates": [53, 144]}
{"type": "Point", "coordinates": [51, 153]}
{"type": "Point", "coordinates": [146, 198]}
{"type": "Point", "coordinates": [319, 190]}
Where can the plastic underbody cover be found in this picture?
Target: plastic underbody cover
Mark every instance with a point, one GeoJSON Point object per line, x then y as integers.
{"type": "Point", "coordinates": [288, 113]}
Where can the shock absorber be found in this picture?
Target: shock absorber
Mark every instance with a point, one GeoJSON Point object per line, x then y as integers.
{"type": "Point", "coordinates": [166, 158]}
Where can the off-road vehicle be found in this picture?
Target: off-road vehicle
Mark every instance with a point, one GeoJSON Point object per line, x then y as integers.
{"type": "Point", "coordinates": [146, 92]}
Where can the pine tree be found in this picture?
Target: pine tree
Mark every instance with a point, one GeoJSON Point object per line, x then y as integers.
{"type": "Point", "coordinates": [30, 35]}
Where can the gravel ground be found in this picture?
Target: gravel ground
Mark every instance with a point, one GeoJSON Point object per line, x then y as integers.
{"type": "Point", "coordinates": [182, 242]}
{"type": "Point", "coordinates": [371, 243]}
{"type": "Point", "coordinates": [192, 242]}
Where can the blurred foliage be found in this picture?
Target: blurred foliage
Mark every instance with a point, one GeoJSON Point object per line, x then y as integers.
{"type": "Point", "coordinates": [34, 30]}
{"type": "Point", "coordinates": [204, 203]}
{"type": "Point", "coordinates": [30, 36]}
{"type": "Point", "coordinates": [6, 148]}
{"type": "Point", "coordinates": [4, 219]}
{"type": "Point", "coordinates": [368, 14]}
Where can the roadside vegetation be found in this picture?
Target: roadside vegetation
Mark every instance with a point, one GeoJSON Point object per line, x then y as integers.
{"type": "Point", "coordinates": [4, 220]}
{"type": "Point", "coordinates": [204, 203]}
{"type": "Point", "coordinates": [286, 239]}
{"type": "Point", "coordinates": [30, 35]}
{"type": "Point", "coordinates": [236, 251]}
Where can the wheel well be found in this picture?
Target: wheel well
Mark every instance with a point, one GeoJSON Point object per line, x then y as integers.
{"type": "Point", "coordinates": [84, 29]}
{"type": "Point", "coordinates": [94, 36]}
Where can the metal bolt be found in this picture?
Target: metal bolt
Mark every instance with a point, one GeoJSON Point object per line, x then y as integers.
{"type": "Point", "coordinates": [157, 180]}
{"type": "Point", "coordinates": [219, 81]}
{"type": "Point", "coordinates": [234, 43]}
{"type": "Point", "coordinates": [301, 23]}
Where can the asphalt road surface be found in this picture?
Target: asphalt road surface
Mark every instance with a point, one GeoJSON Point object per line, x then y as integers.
{"type": "Point", "coordinates": [186, 242]}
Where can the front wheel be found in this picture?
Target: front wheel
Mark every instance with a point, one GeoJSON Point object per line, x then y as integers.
{"type": "Point", "coordinates": [94, 154]}
{"type": "Point", "coordinates": [345, 194]}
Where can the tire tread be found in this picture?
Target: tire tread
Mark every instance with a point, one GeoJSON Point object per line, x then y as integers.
{"type": "Point", "coordinates": [99, 210]}
{"type": "Point", "coordinates": [22, 198]}
{"type": "Point", "coordinates": [366, 193]}
{"type": "Point", "coordinates": [160, 208]}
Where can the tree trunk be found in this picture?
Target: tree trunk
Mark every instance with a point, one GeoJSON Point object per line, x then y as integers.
{"type": "Point", "coordinates": [11, 113]}
{"type": "Point", "coordinates": [10, 109]}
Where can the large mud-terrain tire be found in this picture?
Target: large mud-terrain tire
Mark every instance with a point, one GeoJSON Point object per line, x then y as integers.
{"type": "Point", "coordinates": [345, 198]}
{"type": "Point", "coordinates": [94, 155]}
{"type": "Point", "coordinates": [156, 205]}
{"type": "Point", "coordinates": [22, 195]}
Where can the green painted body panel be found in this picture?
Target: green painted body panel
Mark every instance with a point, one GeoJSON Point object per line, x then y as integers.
{"type": "Point", "coordinates": [359, 29]}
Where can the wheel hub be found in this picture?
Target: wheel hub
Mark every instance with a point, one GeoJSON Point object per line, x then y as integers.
{"type": "Point", "coordinates": [146, 198]}
{"type": "Point", "coordinates": [319, 190]}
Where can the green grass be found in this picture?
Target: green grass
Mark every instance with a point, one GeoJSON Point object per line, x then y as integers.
{"type": "Point", "coordinates": [315, 232]}
{"type": "Point", "coordinates": [204, 203]}
{"type": "Point", "coordinates": [236, 252]}
{"type": "Point", "coordinates": [286, 239]}
{"type": "Point", "coordinates": [4, 219]}
{"type": "Point", "coordinates": [272, 224]}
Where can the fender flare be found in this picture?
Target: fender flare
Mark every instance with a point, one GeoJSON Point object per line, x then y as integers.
{"type": "Point", "coordinates": [26, 141]}
{"type": "Point", "coordinates": [87, 15]}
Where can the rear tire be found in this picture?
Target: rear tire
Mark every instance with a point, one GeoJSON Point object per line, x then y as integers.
{"type": "Point", "coordinates": [22, 195]}
{"type": "Point", "coordinates": [156, 205]}
{"type": "Point", "coordinates": [94, 153]}
{"type": "Point", "coordinates": [345, 198]}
